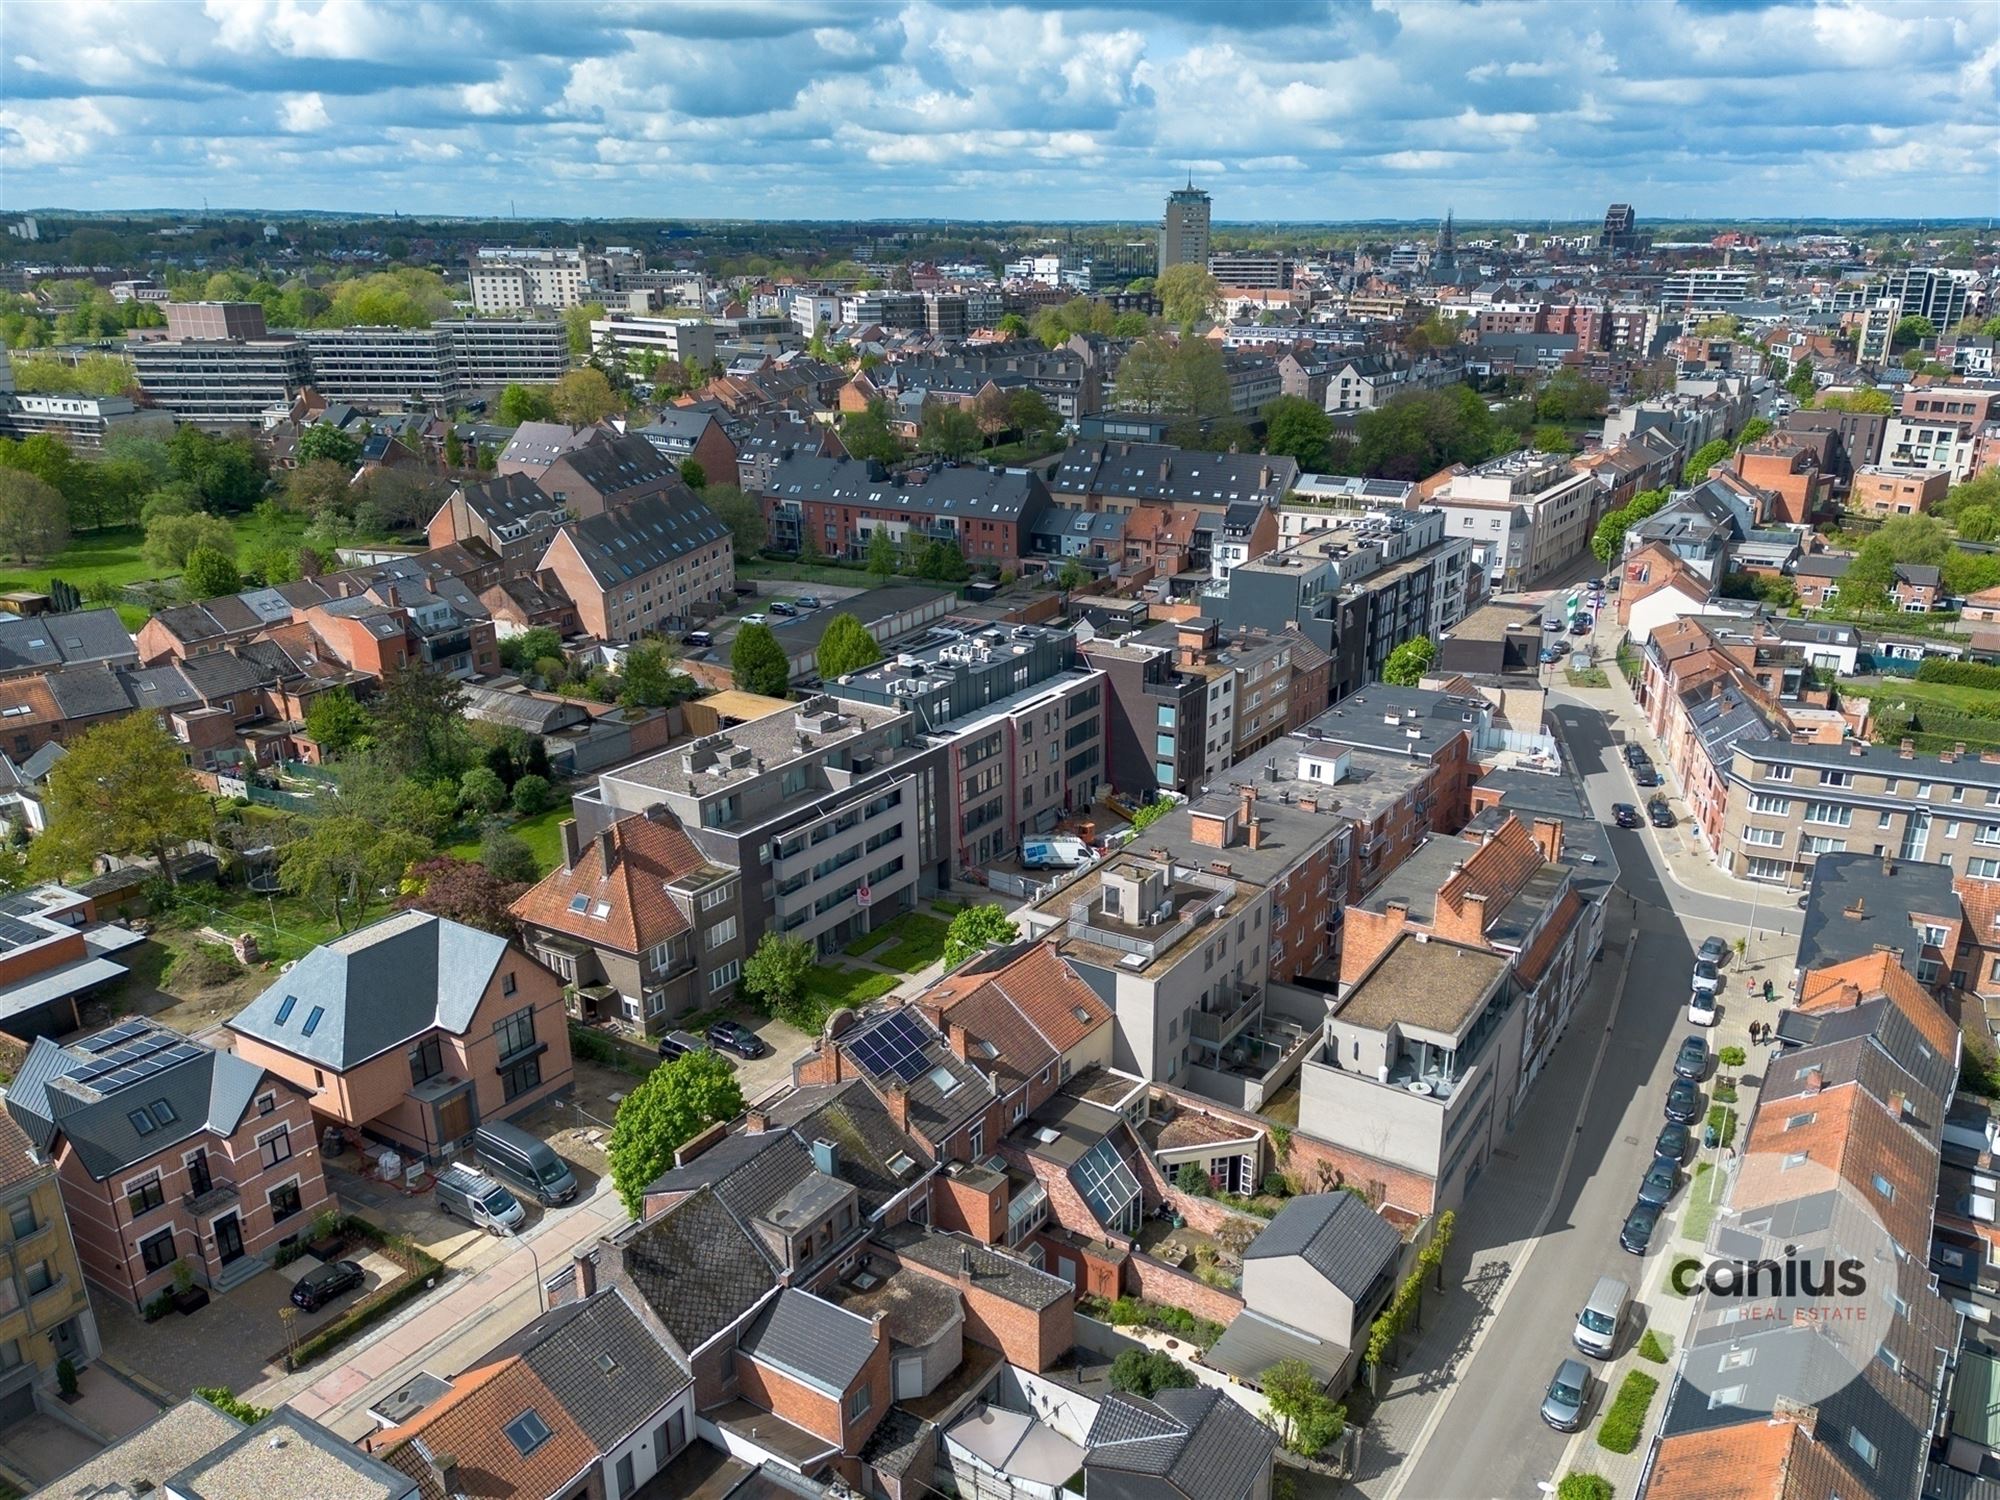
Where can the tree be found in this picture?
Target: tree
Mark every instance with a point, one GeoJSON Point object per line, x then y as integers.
{"type": "Point", "coordinates": [1416, 433]}
{"type": "Point", "coordinates": [1144, 1371]}
{"type": "Point", "coordinates": [226, 473]}
{"type": "Point", "coordinates": [1753, 430]}
{"type": "Point", "coordinates": [1072, 575]}
{"type": "Point", "coordinates": [775, 972]}
{"type": "Point", "coordinates": [508, 856]}
{"type": "Point", "coordinates": [882, 559]}
{"type": "Point", "coordinates": [671, 1105]}
{"type": "Point", "coordinates": [974, 930]}
{"type": "Point", "coordinates": [172, 540]}
{"type": "Point", "coordinates": [1131, 325]}
{"type": "Point", "coordinates": [1012, 326]}
{"type": "Point", "coordinates": [584, 396]}
{"type": "Point", "coordinates": [335, 722]}
{"type": "Point", "coordinates": [124, 788]}
{"type": "Point", "coordinates": [1408, 662]}
{"type": "Point", "coordinates": [948, 430]}
{"type": "Point", "coordinates": [342, 860]}
{"type": "Point", "coordinates": [454, 449]}
{"type": "Point", "coordinates": [693, 475]}
{"type": "Point", "coordinates": [323, 440]}
{"type": "Point", "coordinates": [92, 375]}
{"type": "Point", "coordinates": [1192, 1179]}
{"type": "Point", "coordinates": [1299, 428]}
{"type": "Point", "coordinates": [1029, 412]}
{"type": "Point", "coordinates": [647, 676]}
{"type": "Point", "coordinates": [865, 434]}
{"type": "Point", "coordinates": [577, 321]}
{"type": "Point", "coordinates": [519, 653]}
{"type": "Point", "coordinates": [1143, 376]}
{"type": "Point", "coordinates": [524, 403]}
{"type": "Point", "coordinates": [419, 724]}
{"type": "Point", "coordinates": [1800, 381]}
{"type": "Point", "coordinates": [941, 562]}
{"type": "Point", "coordinates": [1305, 1418]}
{"type": "Point", "coordinates": [758, 664]}
{"type": "Point", "coordinates": [1706, 457]}
{"type": "Point", "coordinates": [1549, 438]}
{"type": "Point", "coordinates": [1570, 397]}
{"type": "Point", "coordinates": [1189, 295]}
{"type": "Point", "coordinates": [209, 573]}
{"type": "Point", "coordinates": [846, 646]}
{"type": "Point", "coordinates": [1912, 330]}
{"type": "Point", "coordinates": [1869, 400]}
{"type": "Point", "coordinates": [463, 890]}
{"type": "Point", "coordinates": [531, 795]}
{"type": "Point", "coordinates": [741, 514]}
{"type": "Point", "coordinates": [482, 790]}
{"type": "Point", "coordinates": [34, 516]}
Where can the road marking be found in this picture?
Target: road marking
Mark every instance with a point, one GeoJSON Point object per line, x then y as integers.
{"type": "Point", "coordinates": [1535, 1235]}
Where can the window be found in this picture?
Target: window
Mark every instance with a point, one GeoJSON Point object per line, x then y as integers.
{"type": "Point", "coordinates": [1828, 812]}
{"type": "Point", "coordinates": [313, 1018]}
{"type": "Point", "coordinates": [1813, 845]}
{"type": "Point", "coordinates": [275, 1147]}
{"type": "Point", "coordinates": [145, 1195]}
{"type": "Point", "coordinates": [1866, 1451]}
{"type": "Point", "coordinates": [722, 932]}
{"type": "Point", "coordinates": [38, 1278]}
{"type": "Point", "coordinates": [21, 1219]}
{"type": "Point", "coordinates": [141, 1121]}
{"type": "Point", "coordinates": [527, 1432]}
{"type": "Point", "coordinates": [1764, 837]}
{"type": "Point", "coordinates": [722, 978]}
{"type": "Point", "coordinates": [1778, 773]}
{"type": "Point", "coordinates": [507, 983]}
{"type": "Point", "coordinates": [1885, 1187]}
{"type": "Point", "coordinates": [157, 1251]}
{"type": "Point", "coordinates": [858, 1402]}
{"type": "Point", "coordinates": [284, 1202]}
{"type": "Point", "coordinates": [1983, 869]}
{"type": "Point", "coordinates": [426, 1061]}
{"type": "Point", "coordinates": [1797, 1120]}
{"type": "Point", "coordinates": [266, 1103]}
{"type": "Point", "coordinates": [1764, 802]}
{"type": "Point", "coordinates": [516, 1033]}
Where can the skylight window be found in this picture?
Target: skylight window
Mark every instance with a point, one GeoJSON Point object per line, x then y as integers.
{"type": "Point", "coordinates": [141, 1121]}
{"type": "Point", "coordinates": [163, 1112]}
{"type": "Point", "coordinates": [285, 1008]}
{"type": "Point", "coordinates": [313, 1017]}
{"type": "Point", "coordinates": [528, 1432]}
{"type": "Point", "coordinates": [943, 1080]}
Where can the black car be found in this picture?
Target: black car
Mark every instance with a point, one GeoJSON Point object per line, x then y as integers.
{"type": "Point", "coordinates": [1580, 625]}
{"type": "Point", "coordinates": [1635, 755]}
{"type": "Point", "coordinates": [1645, 775]}
{"type": "Point", "coordinates": [734, 1036]}
{"type": "Point", "coordinates": [1637, 1234]}
{"type": "Point", "coordinates": [1625, 815]}
{"type": "Point", "coordinates": [779, 607]}
{"type": "Point", "coordinates": [1672, 1144]}
{"type": "Point", "coordinates": [1657, 1186]}
{"type": "Point", "coordinates": [679, 1043]}
{"type": "Point", "coordinates": [1683, 1102]}
{"type": "Point", "coordinates": [320, 1286]}
{"type": "Point", "coordinates": [1692, 1060]}
{"type": "Point", "coordinates": [1659, 814]}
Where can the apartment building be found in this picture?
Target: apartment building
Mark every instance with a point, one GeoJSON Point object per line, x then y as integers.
{"type": "Point", "coordinates": [215, 320]}
{"type": "Point", "coordinates": [1527, 515]}
{"type": "Point", "coordinates": [1697, 292]}
{"type": "Point", "coordinates": [1020, 722]}
{"type": "Point", "coordinates": [1251, 268]}
{"type": "Point", "coordinates": [1937, 427]}
{"type": "Point", "coordinates": [47, 1317]}
{"type": "Point", "coordinates": [689, 340]}
{"type": "Point", "coordinates": [510, 514]}
{"type": "Point", "coordinates": [1184, 228]}
{"type": "Point", "coordinates": [386, 368]}
{"type": "Point", "coordinates": [168, 1151]}
{"type": "Point", "coordinates": [510, 279]}
{"type": "Point", "coordinates": [1149, 698]}
{"type": "Point", "coordinates": [1105, 474]}
{"type": "Point", "coordinates": [834, 811]}
{"type": "Point", "coordinates": [82, 422]}
{"type": "Point", "coordinates": [494, 352]}
{"type": "Point", "coordinates": [1930, 292]}
{"type": "Point", "coordinates": [839, 503]}
{"type": "Point", "coordinates": [218, 382]}
{"type": "Point", "coordinates": [650, 565]}
{"type": "Point", "coordinates": [1789, 804]}
{"type": "Point", "coordinates": [1880, 490]}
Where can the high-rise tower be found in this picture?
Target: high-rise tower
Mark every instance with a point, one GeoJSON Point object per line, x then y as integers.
{"type": "Point", "coordinates": [1184, 228]}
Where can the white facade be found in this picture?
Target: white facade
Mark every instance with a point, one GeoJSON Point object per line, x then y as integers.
{"type": "Point", "coordinates": [508, 279]}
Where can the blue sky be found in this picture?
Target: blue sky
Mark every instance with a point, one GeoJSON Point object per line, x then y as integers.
{"type": "Point", "coordinates": [1283, 109]}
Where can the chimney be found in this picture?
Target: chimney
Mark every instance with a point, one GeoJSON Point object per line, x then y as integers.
{"type": "Point", "coordinates": [696, 1144]}
{"type": "Point", "coordinates": [1888, 865]}
{"type": "Point", "coordinates": [572, 843]}
{"type": "Point", "coordinates": [1309, 804]}
{"type": "Point", "coordinates": [896, 1104]}
{"type": "Point", "coordinates": [956, 1039]}
{"type": "Point", "coordinates": [1264, 477]}
{"type": "Point", "coordinates": [584, 1264]}
{"type": "Point", "coordinates": [1907, 749]}
{"type": "Point", "coordinates": [1249, 810]}
{"type": "Point", "coordinates": [606, 851]}
{"type": "Point", "coordinates": [1857, 748]}
{"type": "Point", "coordinates": [756, 1121]}
{"type": "Point", "coordinates": [965, 1265]}
{"type": "Point", "coordinates": [878, 1328]}
{"type": "Point", "coordinates": [444, 1471]}
{"type": "Point", "coordinates": [1549, 838]}
{"type": "Point", "coordinates": [1815, 1081]}
{"type": "Point", "coordinates": [1256, 832]}
{"type": "Point", "coordinates": [1858, 907]}
{"type": "Point", "coordinates": [1958, 749]}
{"type": "Point", "coordinates": [1899, 1103]}
{"type": "Point", "coordinates": [826, 1157]}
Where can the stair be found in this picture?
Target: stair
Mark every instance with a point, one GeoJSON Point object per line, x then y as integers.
{"type": "Point", "coordinates": [238, 1271]}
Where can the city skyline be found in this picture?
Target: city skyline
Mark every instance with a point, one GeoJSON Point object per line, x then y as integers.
{"type": "Point", "coordinates": [1306, 112]}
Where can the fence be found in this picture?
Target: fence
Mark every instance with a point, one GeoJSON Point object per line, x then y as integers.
{"type": "Point", "coordinates": [290, 801]}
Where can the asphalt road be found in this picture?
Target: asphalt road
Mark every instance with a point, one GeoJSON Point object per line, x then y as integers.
{"type": "Point", "coordinates": [1488, 1438]}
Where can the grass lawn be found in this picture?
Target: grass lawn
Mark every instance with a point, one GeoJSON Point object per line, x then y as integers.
{"type": "Point", "coordinates": [1890, 692]}
{"type": "Point", "coordinates": [918, 942]}
{"type": "Point", "coordinates": [287, 927]}
{"type": "Point", "coordinates": [542, 834]}
{"type": "Point", "coordinates": [761, 567]}
{"type": "Point", "coordinates": [1704, 1201]}
{"type": "Point", "coordinates": [110, 556]}
{"type": "Point", "coordinates": [1590, 677]}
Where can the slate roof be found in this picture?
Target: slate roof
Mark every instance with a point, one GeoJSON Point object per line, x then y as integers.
{"type": "Point", "coordinates": [375, 989]}
{"type": "Point", "coordinates": [1833, 929]}
{"type": "Point", "coordinates": [199, 1088]}
{"type": "Point", "coordinates": [615, 469]}
{"type": "Point", "coordinates": [981, 494]}
{"type": "Point", "coordinates": [992, 1270]}
{"type": "Point", "coordinates": [536, 445]}
{"type": "Point", "coordinates": [80, 636]}
{"type": "Point", "coordinates": [748, 1171]}
{"type": "Point", "coordinates": [811, 1340]}
{"type": "Point", "coordinates": [509, 501]}
{"type": "Point", "coordinates": [1337, 1234]}
{"type": "Point", "coordinates": [696, 1267]}
{"type": "Point", "coordinates": [944, 1095]}
{"type": "Point", "coordinates": [1178, 476]}
{"type": "Point", "coordinates": [568, 1348]}
{"type": "Point", "coordinates": [866, 1140]}
{"type": "Point", "coordinates": [1885, 1026]}
{"type": "Point", "coordinates": [644, 534]}
{"type": "Point", "coordinates": [1198, 1441]}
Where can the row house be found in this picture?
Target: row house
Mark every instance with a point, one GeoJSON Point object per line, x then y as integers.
{"type": "Point", "coordinates": [169, 1153]}
{"type": "Point", "coordinates": [838, 504]}
{"type": "Point", "coordinates": [690, 434]}
{"type": "Point", "coordinates": [47, 1319]}
{"type": "Point", "coordinates": [74, 638]}
{"type": "Point", "coordinates": [655, 564]}
{"type": "Point", "coordinates": [1105, 474]}
{"type": "Point", "coordinates": [1856, 438]}
{"type": "Point", "coordinates": [1527, 515]}
{"type": "Point", "coordinates": [510, 514]}
{"type": "Point", "coordinates": [1793, 467]}
{"type": "Point", "coordinates": [762, 440]}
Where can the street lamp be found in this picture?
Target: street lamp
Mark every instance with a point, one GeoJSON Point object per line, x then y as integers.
{"type": "Point", "coordinates": [536, 1260]}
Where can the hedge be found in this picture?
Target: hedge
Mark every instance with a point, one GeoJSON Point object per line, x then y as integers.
{"type": "Point", "coordinates": [1970, 674]}
{"type": "Point", "coordinates": [1584, 1487]}
{"type": "Point", "coordinates": [1136, 1312]}
{"type": "Point", "coordinates": [421, 1270]}
{"type": "Point", "coordinates": [1622, 1426]}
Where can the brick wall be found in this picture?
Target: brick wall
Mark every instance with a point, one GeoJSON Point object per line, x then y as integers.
{"type": "Point", "coordinates": [793, 1400]}
{"type": "Point", "coordinates": [1033, 1338]}
{"type": "Point", "coordinates": [1157, 1282]}
{"type": "Point", "coordinates": [957, 1205]}
{"type": "Point", "coordinates": [1098, 1269]}
{"type": "Point", "coordinates": [1366, 936]}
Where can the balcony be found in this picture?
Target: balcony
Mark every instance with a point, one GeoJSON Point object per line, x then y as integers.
{"type": "Point", "coordinates": [221, 1192]}
{"type": "Point", "coordinates": [1217, 1026]}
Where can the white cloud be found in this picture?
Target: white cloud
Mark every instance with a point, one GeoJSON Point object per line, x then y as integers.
{"type": "Point", "coordinates": [303, 114]}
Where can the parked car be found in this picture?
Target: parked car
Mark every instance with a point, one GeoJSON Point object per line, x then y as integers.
{"type": "Point", "coordinates": [322, 1284]}
{"type": "Point", "coordinates": [1672, 1143]}
{"type": "Point", "coordinates": [1703, 1010]}
{"type": "Point", "coordinates": [1692, 1060]}
{"type": "Point", "coordinates": [527, 1161]}
{"type": "Point", "coordinates": [1713, 949]}
{"type": "Point", "coordinates": [678, 1044]}
{"type": "Point", "coordinates": [1683, 1102]}
{"type": "Point", "coordinates": [1707, 978]}
{"type": "Point", "coordinates": [1580, 625]}
{"type": "Point", "coordinates": [734, 1036]}
{"type": "Point", "coordinates": [808, 601]}
{"type": "Point", "coordinates": [1645, 775]}
{"type": "Point", "coordinates": [1550, 656]}
{"type": "Point", "coordinates": [779, 607]}
{"type": "Point", "coordinates": [1636, 1237]}
{"type": "Point", "coordinates": [1625, 815]}
{"type": "Point", "coordinates": [1659, 814]}
{"type": "Point", "coordinates": [1596, 1331]}
{"type": "Point", "coordinates": [698, 639]}
{"type": "Point", "coordinates": [1657, 1186]}
{"type": "Point", "coordinates": [1553, 622]}
{"type": "Point", "coordinates": [1568, 1394]}
{"type": "Point", "coordinates": [465, 1194]}
{"type": "Point", "coordinates": [1635, 755]}
{"type": "Point", "coordinates": [757, 619]}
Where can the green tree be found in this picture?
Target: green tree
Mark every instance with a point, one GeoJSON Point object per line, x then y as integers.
{"type": "Point", "coordinates": [577, 321]}
{"type": "Point", "coordinates": [1131, 325]}
{"type": "Point", "coordinates": [1417, 433]}
{"type": "Point", "coordinates": [1570, 396]}
{"type": "Point", "coordinates": [454, 449]}
{"type": "Point", "coordinates": [1143, 376]}
{"type": "Point", "coordinates": [507, 855]}
{"type": "Point", "coordinates": [1705, 458]}
{"type": "Point", "coordinates": [336, 722]}
{"type": "Point", "coordinates": [948, 430]}
{"type": "Point", "coordinates": [846, 646]}
{"type": "Point", "coordinates": [92, 375]}
{"type": "Point", "coordinates": [323, 440]}
{"type": "Point", "coordinates": [1299, 428]}
{"type": "Point", "coordinates": [1192, 1179]}
{"type": "Point", "coordinates": [1029, 412]}
{"type": "Point", "coordinates": [524, 403]}
{"type": "Point", "coordinates": [418, 723]}
{"type": "Point", "coordinates": [124, 788]}
{"type": "Point", "coordinates": [172, 540]}
{"type": "Point", "coordinates": [775, 972]}
{"type": "Point", "coordinates": [1549, 438]}
{"type": "Point", "coordinates": [693, 475]}
{"type": "Point", "coordinates": [1145, 1371]}
{"type": "Point", "coordinates": [226, 473]}
{"type": "Point", "coordinates": [1305, 1418]}
{"type": "Point", "coordinates": [866, 434]}
{"type": "Point", "coordinates": [1072, 575]}
{"type": "Point", "coordinates": [481, 790]}
{"type": "Point", "coordinates": [1012, 326]}
{"type": "Point", "coordinates": [741, 514]}
{"type": "Point", "coordinates": [758, 664]}
{"type": "Point", "coordinates": [209, 573]}
{"type": "Point", "coordinates": [882, 558]}
{"type": "Point", "coordinates": [532, 794]}
{"type": "Point", "coordinates": [1408, 662]}
{"type": "Point", "coordinates": [1800, 381]}
{"type": "Point", "coordinates": [1197, 385]}
{"type": "Point", "coordinates": [1189, 295]}
{"type": "Point", "coordinates": [1912, 330]}
{"type": "Point", "coordinates": [1753, 430]}
{"type": "Point", "coordinates": [519, 653]}
{"type": "Point", "coordinates": [647, 676]}
{"type": "Point", "coordinates": [34, 516]}
{"type": "Point", "coordinates": [342, 861]}
{"type": "Point", "coordinates": [584, 396]}
{"type": "Point", "coordinates": [1869, 400]}
{"type": "Point", "coordinates": [975, 929]}
{"type": "Point", "coordinates": [671, 1105]}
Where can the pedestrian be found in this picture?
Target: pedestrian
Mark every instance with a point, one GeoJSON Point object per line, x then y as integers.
{"type": "Point", "coordinates": [1753, 1033]}
{"type": "Point", "coordinates": [1769, 993]}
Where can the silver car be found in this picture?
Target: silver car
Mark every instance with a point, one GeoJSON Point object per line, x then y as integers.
{"type": "Point", "coordinates": [1569, 1393]}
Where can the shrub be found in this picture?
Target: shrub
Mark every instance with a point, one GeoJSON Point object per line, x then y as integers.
{"type": "Point", "coordinates": [1136, 1312]}
{"type": "Point", "coordinates": [1655, 1346]}
{"type": "Point", "coordinates": [1275, 1185]}
{"type": "Point", "coordinates": [158, 1308]}
{"type": "Point", "coordinates": [1970, 674]}
{"type": "Point", "coordinates": [1725, 1093]}
{"type": "Point", "coordinates": [1191, 1179]}
{"type": "Point", "coordinates": [420, 1269]}
{"type": "Point", "coordinates": [532, 795]}
{"type": "Point", "coordinates": [1584, 1487]}
{"type": "Point", "coordinates": [1622, 1425]}
{"type": "Point", "coordinates": [1722, 1120]}
{"type": "Point", "coordinates": [1144, 1371]}
{"type": "Point", "coordinates": [1732, 1057]}
{"type": "Point", "coordinates": [66, 1375]}
{"type": "Point", "coordinates": [222, 1398]}
{"type": "Point", "coordinates": [591, 1046]}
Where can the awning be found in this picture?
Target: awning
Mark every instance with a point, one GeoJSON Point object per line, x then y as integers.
{"type": "Point", "coordinates": [1252, 1343]}
{"type": "Point", "coordinates": [58, 984]}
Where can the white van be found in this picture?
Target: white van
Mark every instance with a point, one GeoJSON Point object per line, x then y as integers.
{"type": "Point", "coordinates": [1597, 1325]}
{"type": "Point", "coordinates": [462, 1193]}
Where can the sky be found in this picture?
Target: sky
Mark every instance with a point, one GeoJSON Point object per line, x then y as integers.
{"type": "Point", "coordinates": [834, 109]}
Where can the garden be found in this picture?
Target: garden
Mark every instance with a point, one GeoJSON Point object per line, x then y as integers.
{"type": "Point", "coordinates": [906, 943]}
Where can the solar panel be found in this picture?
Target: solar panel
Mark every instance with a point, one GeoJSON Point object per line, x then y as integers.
{"type": "Point", "coordinates": [895, 1045]}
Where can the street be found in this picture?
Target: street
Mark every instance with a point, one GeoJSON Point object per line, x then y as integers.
{"type": "Point", "coordinates": [1537, 1230]}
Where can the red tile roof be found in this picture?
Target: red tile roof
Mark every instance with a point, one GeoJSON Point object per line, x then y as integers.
{"type": "Point", "coordinates": [1773, 1459]}
{"type": "Point", "coordinates": [1880, 976]}
{"type": "Point", "coordinates": [646, 853]}
{"type": "Point", "coordinates": [1038, 985]}
{"type": "Point", "coordinates": [1844, 1130]}
{"type": "Point", "coordinates": [1497, 870]}
{"type": "Point", "coordinates": [470, 1425]}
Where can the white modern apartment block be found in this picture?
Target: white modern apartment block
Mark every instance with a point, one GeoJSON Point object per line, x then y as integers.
{"type": "Point", "coordinates": [499, 351]}
{"type": "Point", "coordinates": [383, 368]}
{"type": "Point", "coordinates": [1525, 514]}
{"type": "Point", "coordinates": [675, 338]}
{"type": "Point", "coordinates": [508, 279]}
